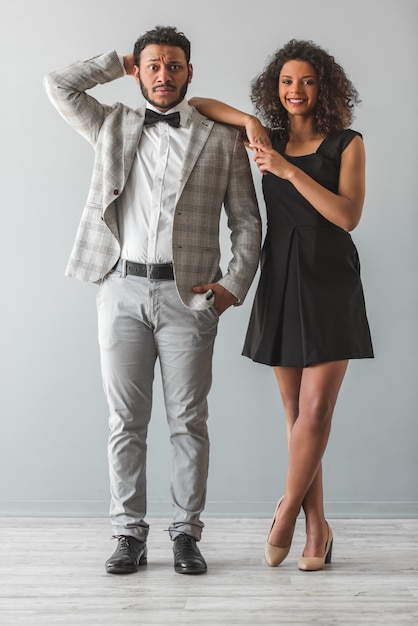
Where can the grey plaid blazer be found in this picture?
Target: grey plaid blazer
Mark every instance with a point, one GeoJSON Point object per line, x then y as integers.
{"type": "Point", "coordinates": [216, 172]}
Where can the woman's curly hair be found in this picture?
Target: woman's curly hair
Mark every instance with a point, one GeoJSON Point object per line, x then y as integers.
{"type": "Point", "coordinates": [337, 95]}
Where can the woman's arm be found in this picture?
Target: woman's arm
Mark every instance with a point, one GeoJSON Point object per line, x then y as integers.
{"type": "Point", "coordinates": [248, 125]}
{"type": "Point", "coordinates": [344, 208]}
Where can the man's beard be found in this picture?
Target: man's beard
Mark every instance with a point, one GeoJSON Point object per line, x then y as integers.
{"type": "Point", "coordinates": [147, 97]}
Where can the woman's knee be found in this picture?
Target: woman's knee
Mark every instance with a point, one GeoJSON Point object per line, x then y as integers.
{"type": "Point", "coordinates": [318, 411]}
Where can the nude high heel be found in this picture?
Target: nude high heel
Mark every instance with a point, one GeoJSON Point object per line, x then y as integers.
{"type": "Point", "coordinates": [315, 563]}
{"type": "Point", "coordinates": [274, 555]}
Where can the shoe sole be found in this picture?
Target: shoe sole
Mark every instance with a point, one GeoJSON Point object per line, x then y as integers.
{"type": "Point", "coordinates": [185, 570]}
{"type": "Point", "coordinates": [127, 570]}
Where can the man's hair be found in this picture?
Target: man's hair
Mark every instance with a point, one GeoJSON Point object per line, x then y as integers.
{"type": "Point", "coordinates": [166, 35]}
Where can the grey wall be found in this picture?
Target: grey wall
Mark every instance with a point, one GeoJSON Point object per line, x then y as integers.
{"type": "Point", "coordinates": [53, 415]}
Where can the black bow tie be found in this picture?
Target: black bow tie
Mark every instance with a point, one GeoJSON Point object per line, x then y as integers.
{"type": "Point", "coordinates": [152, 116]}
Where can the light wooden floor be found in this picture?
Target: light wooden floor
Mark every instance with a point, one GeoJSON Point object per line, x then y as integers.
{"type": "Point", "coordinates": [52, 572]}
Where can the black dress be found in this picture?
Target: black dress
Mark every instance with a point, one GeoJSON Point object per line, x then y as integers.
{"type": "Point", "coordinates": [309, 304]}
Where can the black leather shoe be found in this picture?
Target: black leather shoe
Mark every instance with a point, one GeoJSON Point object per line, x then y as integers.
{"type": "Point", "coordinates": [128, 556]}
{"type": "Point", "coordinates": [187, 557]}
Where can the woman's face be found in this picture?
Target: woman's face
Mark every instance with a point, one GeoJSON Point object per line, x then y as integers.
{"type": "Point", "coordinates": [298, 87]}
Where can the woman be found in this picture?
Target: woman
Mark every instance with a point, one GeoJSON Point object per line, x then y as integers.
{"type": "Point", "coordinates": [308, 317]}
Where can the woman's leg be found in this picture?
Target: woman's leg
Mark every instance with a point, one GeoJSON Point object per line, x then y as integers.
{"type": "Point", "coordinates": [289, 380]}
{"type": "Point", "coordinates": [309, 396]}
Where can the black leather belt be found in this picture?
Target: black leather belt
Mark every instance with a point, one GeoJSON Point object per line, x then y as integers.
{"type": "Point", "coordinates": [153, 271]}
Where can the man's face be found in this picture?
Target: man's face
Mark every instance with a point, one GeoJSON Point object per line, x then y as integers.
{"type": "Point", "coordinates": [163, 75]}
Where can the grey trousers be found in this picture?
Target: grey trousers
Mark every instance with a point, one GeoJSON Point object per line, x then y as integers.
{"type": "Point", "coordinates": [140, 320]}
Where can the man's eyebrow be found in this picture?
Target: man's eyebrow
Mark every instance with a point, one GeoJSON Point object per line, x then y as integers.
{"type": "Point", "coordinates": [168, 60]}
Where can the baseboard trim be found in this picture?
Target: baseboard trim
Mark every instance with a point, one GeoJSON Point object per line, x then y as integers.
{"type": "Point", "coordinates": [250, 509]}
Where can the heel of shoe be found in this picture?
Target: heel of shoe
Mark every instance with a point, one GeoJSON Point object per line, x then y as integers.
{"type": "Point", "coordinates": [329, 553]}
{"type": "Point", "coordinates": [144, 557]}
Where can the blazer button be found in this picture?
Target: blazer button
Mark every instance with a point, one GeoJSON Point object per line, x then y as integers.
{"type": "Point", "coordinates": [116, 192]}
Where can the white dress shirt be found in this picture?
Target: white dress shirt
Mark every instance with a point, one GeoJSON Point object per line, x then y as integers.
{"type": "Point", "coordinates": [146, 207]}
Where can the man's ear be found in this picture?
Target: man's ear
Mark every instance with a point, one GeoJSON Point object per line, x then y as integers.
{"type": "Point", "coordinates": [190, 72]}
{"type": "Point", "coordinates": [136, 73]}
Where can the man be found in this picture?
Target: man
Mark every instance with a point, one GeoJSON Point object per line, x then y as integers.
{"type": "Point", "coordinates": [149, 236]}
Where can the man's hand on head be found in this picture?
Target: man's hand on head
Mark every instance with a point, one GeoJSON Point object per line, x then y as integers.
{"type": "Point", "coordinates": [129, 64]}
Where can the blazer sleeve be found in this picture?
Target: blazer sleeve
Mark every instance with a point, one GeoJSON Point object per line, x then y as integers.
{"type": "Point", "coordinates": [66, 88]}
{"type": "Point", "coordinates": [244, 222]}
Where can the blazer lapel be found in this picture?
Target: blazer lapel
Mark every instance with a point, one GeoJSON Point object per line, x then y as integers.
{"type": "Point", "coordinates": [132, 132]}
{"type": "Point", "coordinates": [201, 128]}
{"type": "Point", "coordinates": [115, 179]}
